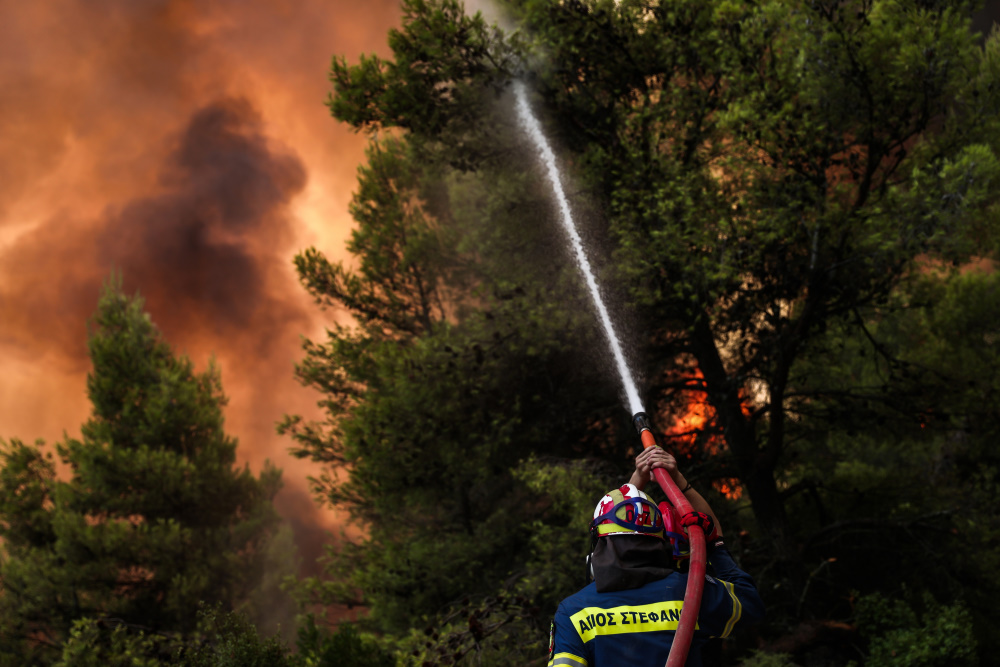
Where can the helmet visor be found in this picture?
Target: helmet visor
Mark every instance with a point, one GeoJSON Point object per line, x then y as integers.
{"type": "Point", "coordinates": [632, 515]}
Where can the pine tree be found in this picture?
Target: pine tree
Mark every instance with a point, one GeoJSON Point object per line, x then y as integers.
{"type": "Point", "coordinates": [154, 517]}
{"type": "Point", "coordinates": [770, 177]}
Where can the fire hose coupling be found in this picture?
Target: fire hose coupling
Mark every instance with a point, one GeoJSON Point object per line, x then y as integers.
{"type": "Point", "coordinates": [641, 422]}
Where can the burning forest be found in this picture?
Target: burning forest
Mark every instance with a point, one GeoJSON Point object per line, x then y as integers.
{"type": "Point", "coordinates": [327, 362]}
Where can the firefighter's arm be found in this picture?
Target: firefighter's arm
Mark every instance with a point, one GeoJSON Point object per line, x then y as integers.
{"type": "Point", "coordinates": [730, 599]}
{"type": "Point", "coordinates": [565, 647]}
{"type": "Point", "coordinates": [656, 457]}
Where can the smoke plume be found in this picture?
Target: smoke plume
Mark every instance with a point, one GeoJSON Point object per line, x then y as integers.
{"type": "Point", "coordinates": [184, 144]}
{"type": "Point", "coordinates": [199, 249]}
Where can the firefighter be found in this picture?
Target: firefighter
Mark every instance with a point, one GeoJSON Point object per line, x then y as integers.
{"type": "Point", "coordinates": [628, 615]}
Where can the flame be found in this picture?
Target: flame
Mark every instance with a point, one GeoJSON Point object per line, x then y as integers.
{"type": "Point", "coordinates": [695, 425]}
{"type": "Point", "coordinates": [730, 487]}
{"type": "Point", "coordinates": [697, 416]}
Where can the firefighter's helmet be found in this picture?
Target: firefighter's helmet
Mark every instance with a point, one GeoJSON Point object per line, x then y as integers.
{"type": "Point", "coordinates": [627, 511]}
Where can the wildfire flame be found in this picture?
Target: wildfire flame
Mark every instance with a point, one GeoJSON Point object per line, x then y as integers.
{"type": "Point", "coordinates": [695, 426]}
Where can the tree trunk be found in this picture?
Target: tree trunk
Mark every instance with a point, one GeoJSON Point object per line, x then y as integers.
{"type": "Point", "coordinates": [756, 469]}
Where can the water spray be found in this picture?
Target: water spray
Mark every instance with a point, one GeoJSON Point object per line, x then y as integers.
{"type": "Point", "coordinates": [696, 572]}
{"type": "Point", "coordinates": [534, 130]}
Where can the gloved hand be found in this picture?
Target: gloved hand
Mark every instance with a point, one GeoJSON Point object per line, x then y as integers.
{"type": "Point", "coordinates": [704, 521]}
{"type": "Point", "coordinates": [712, 539]}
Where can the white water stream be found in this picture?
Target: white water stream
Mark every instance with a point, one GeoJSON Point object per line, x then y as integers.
{"type": "Point", "coordinates": [534, 130]}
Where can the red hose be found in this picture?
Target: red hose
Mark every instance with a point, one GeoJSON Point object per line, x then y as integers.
{"type": "Point", "coordinates": [696, 569]}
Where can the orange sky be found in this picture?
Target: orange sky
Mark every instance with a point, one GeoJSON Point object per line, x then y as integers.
{"type": "Point", "coordinates": [185, 143]}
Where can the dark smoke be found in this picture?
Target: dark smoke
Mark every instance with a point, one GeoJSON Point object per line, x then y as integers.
{"type": "Point", "coordinates": [199, 250]}
{"type": "Point", "coordinates": [302, 514]}
{"type": "Point", "coordinates": [205, 251]}
{"type": "Point", "coordinates": [171, 140]}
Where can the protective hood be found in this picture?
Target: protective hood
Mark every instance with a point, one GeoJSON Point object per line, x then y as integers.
{"type": "Point", "coordinates": [623, 562]}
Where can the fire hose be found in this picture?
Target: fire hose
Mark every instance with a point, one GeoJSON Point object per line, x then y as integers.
{"type": "Point", "coordinates": [696, 569]}
{"type": "Point", "coordinates": [696, 572]}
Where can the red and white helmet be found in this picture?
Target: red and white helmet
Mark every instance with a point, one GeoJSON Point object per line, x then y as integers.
{"type": "Point", "coordinates": [627, 511]}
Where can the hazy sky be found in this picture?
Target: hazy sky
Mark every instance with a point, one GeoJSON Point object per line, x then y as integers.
{"type": "Point", "coordinates": [186, 144]}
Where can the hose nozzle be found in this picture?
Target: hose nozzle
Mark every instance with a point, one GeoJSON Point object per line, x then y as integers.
{"type": "Point", "coordinates": [641, 423]}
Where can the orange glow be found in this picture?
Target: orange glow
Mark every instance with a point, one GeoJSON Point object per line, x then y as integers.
{"type": "Point", "coordinates": [697, 416]}
{"type": "Point", "coordinates": [730, 488]}
{"type": "Point", "coordinates": [125, 127]}
{"type": "Point", "coordinates": [695, 425]}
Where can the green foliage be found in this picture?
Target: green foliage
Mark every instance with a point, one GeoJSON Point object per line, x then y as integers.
{"type": "Point", "coordinates": [769, 169]}
{"type": "Point", "coordinates": [505, 628]}
{"type": "Point", "coordinates": [899, 635]}
{"type": "Point", "coordinates": [765, 659]}
{"type": "Point", "coordinates": [271, 605]}
{"type": "Point", "coordinates": [403, 255]}
{"type": "Point", "coordinates": [154, 517]}
{"type": "Point", "coordinates": [92, 645]}
{"type": "Point", "coordinates": [427, 394]}
{"type": "Point", "coordinates": [28, 475]}
{"type": "Point", "coordinates": [909, 477]}
{"type": "Point", "coordinates": [220, 640]}
{"type": "Point", "coordinates": [559, 533]}
{"type": "Point", "coordinates": [344, 648]}
{"type": "Point", "coordinates": [432, 456]}
{"type": "Point", "coordinates": [446, 67]}
{"type": "Point", "coordinates": [493, 630]}
{"type": "Point", "coordinates": [231, 640]}
{"type": "Point", "coordinates": [781, 185]}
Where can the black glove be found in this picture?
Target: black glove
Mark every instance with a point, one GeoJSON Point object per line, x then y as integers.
{"type": "Point", "coordinates": [700, 519]}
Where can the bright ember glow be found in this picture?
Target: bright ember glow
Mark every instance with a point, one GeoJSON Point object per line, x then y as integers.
{"type": "Point", "coordinates": [695, 425]}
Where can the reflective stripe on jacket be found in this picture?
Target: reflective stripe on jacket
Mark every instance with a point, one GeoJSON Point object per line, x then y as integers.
{"type": "Point", "coordinates": [636, 627]}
